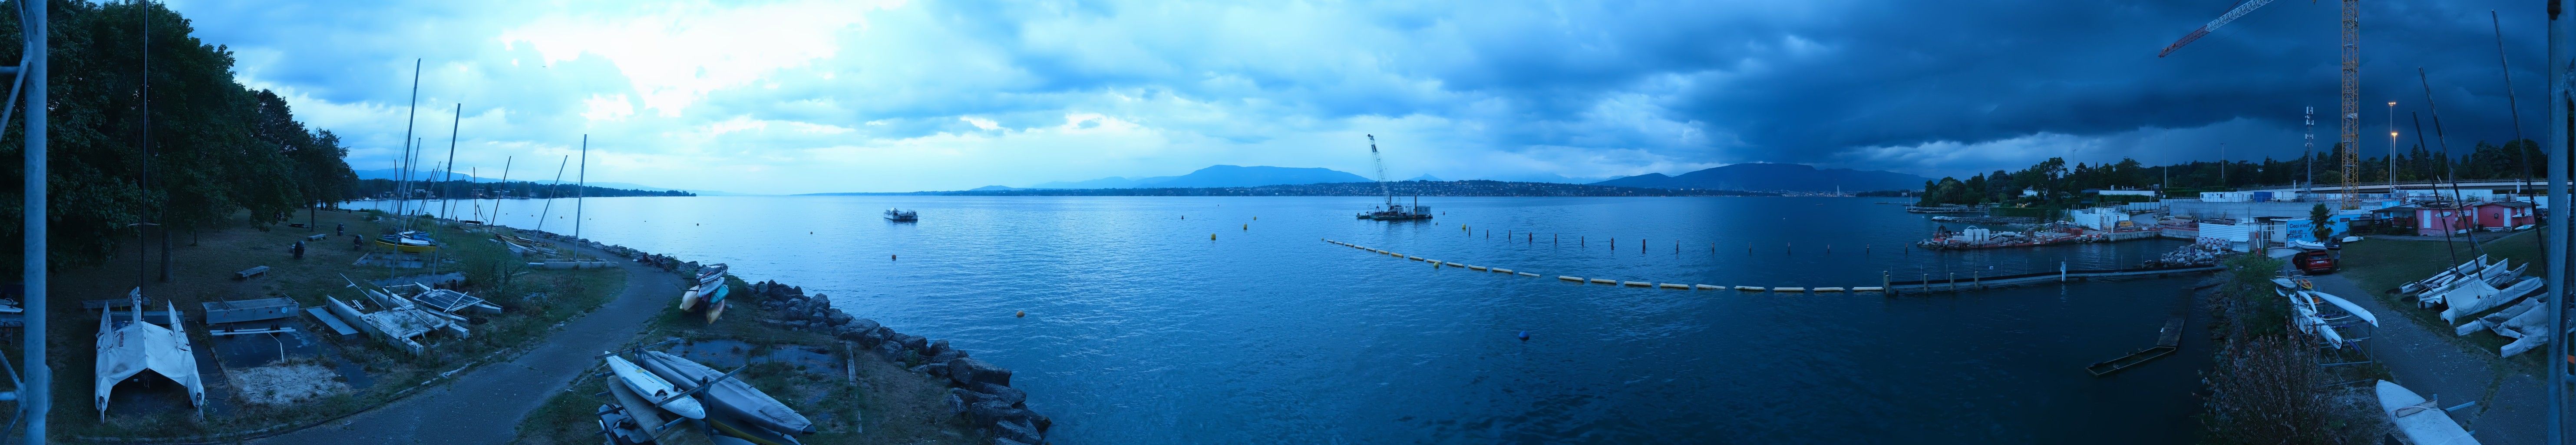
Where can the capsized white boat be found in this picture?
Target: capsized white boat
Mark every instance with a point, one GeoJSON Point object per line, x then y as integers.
{"type": "Point", "coordinates": [2464, 307]}
{"type": "Point", "coordinates": [653, 387]}
{"type": "Point", "coordinates": [2421, 421]}
{"type": "Point", "coordinates": [2347, 306]}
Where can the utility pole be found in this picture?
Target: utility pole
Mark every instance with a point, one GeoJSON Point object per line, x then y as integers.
{"type": "Point", "coordinates": [35, 400]}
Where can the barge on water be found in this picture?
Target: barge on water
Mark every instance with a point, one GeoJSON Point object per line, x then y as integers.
{"type": "Point", "coordinates": [1395, 212]}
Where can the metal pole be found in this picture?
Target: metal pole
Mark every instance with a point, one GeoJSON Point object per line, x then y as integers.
{"type": "Point", "coordinates": [36, 399]}
{"type": "Point", "coordinates": [583, 178]}
{"type": "Point", "coordinates": [2562, 108]}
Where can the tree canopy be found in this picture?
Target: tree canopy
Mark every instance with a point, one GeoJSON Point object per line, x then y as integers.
{"type": "Point", "coordinates": [194, 149]}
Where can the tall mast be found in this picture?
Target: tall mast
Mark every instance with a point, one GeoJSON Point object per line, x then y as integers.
{"type": "Point", "coordinates": [402, 187]}
{"type": "Point", "coordinates": [1381, 173]}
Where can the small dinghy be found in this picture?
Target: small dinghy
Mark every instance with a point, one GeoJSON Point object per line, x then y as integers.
{"type": "Point", "coordinates": [653, 387]}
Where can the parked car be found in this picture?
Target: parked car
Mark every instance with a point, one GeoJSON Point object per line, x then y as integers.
{"type": "Point", "coordinates": [2314, 262]}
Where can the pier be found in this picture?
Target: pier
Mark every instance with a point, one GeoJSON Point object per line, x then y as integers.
{"type": "Point", "coordinates": [1953, 282]}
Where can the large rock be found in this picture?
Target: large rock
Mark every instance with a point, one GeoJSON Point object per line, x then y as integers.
{"type": "Point", "coordinates": [1013, 396]}
{"type": "Point", "coordinates": [890, 350]}
{"type": "Point", "coordinates": [935, 349]}
{"type": "Point", "coordinates": [863, 324]}
{"type": "Point", "coordinates": [915, 342]}
{"type": "Point", "coordinates": [837, 318]}
{"type": "Point", "coordinates": [968, 372]}
{"type": "Point", "coordinates": [938, 369]}
{"type": "Point", "coordinates": [1018, 430]}
{"type": "Point", "coordinates": [956, 402]}
{"type": "Point", "coordinates": [994, 411]}
{"type": "Point", "coordinates": [822, 301]}
{"type": "Point", "coordinates": [845, 332]}
{"type": "Point", "coordinates": [945, 356]}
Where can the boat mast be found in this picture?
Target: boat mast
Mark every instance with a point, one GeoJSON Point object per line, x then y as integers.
{"type": "Point", "coordinates": [403, 186]}
{"type": "Point", "coordinates": [1381, 173]}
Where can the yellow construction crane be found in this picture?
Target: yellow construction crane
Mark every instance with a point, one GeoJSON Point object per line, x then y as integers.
{"type": "Point", "coordinates": [2351, 140]}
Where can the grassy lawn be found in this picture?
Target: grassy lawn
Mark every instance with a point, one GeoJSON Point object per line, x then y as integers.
{"type": "Point", "coordinates": [2380, 265]}
{"type": "Point", "coordinates": [203, 266]}
{"type": "Point", "coordinates": [887, 403]}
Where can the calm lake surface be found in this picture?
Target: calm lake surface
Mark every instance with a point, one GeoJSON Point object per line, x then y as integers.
{"type": "Point", "coordinates": [1143, 330]}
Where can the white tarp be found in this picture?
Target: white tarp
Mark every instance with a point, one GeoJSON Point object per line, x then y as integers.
{"type": "Point", "coordinates": [126, 348]}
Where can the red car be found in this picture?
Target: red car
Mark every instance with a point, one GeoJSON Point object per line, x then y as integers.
{"type": "Point", "coordinates": [2314, 263]}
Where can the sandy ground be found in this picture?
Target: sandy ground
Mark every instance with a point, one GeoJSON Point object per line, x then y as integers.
{"type": "Point", "coordinates": [286, 384]}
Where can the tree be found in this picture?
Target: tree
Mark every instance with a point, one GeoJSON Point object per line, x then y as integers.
{"type": "Point", "coordinates": [2319, 219]}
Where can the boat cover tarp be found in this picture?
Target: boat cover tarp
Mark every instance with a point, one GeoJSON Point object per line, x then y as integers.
{"type": "Point", "coordinates": [129, 348]}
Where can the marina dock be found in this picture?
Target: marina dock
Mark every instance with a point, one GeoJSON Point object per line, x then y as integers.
{"type": "Point", "coordinates": [1953, 282]}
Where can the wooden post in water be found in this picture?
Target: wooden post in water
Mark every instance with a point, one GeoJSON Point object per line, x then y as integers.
{"type": "Point", "coordinates": [1954, 282]}
{"type": "Point", "coordinates": [1976, 279]}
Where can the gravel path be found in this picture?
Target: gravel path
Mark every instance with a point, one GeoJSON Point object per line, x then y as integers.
{"type": "Point", "coordinates": [485, 405]}
{"type": "Point", "coordinates": [2424, 360]}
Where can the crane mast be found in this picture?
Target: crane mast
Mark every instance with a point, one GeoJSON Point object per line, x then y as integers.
{"type": "Point", "coordinates": [1381, 173]}
{"type": "Point", "coordinates": [2352, 105]}
{"type": "Point", "coordinates": [2350, 143]}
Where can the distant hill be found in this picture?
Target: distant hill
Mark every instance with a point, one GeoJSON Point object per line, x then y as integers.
{"type": "Point", "coordinates": [989, 188]}
{"type": "Point", "coordinates": [1217, 176]}
{"type": "Point", "coordinates": [1775, 177]}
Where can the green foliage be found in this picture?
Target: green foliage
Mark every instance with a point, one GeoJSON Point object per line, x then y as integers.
{"type": "Point", "coordinates": [2320, 220]}
{"type": "Point", "coordinates": [190, 152]}
{"type": "Point", "coordinates": [2251, 304]}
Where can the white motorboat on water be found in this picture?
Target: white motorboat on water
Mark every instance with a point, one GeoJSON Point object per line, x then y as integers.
{"type": "Point", "coordinates": [652, 387]}
{"type": "Point", "coordinates": [2421, 420]}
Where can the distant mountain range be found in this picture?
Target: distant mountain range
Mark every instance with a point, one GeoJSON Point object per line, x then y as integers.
{"type": "Point", "coordinates": [433, 175]}
{"type": "Point", "coordinates": [1216, 176]}
{"type": "Point", "coordinates": [1775, 177]}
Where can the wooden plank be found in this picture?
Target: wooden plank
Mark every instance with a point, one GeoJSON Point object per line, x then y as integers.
{"type": "Point", "coordinates": [332, 321]}
{"type": "Point", "coordinates": [250, 310]}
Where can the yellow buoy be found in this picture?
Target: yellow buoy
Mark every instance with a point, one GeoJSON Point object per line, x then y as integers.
{"type": "Point", "coordinates": [1247, 227]}
{"type": "Point", "coordinates": [1022, 314]}
{"type": "Point", "coordinates": [1211, 237]}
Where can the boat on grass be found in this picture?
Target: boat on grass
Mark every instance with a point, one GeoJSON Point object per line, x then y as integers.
{"type": "Point", "coordinates": [727, 399]}
{"type": "Point", "coordinates": [2421, 420]}
{"type": "Point", "coordinates": [709, 289]}
{"type": "Point", "coordinates": [654, 389]}
{"type": "Point", "coordinates": [407, 242]}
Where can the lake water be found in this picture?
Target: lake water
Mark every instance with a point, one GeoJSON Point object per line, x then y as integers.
{"type": "Point", "coordinates": [1141, 329]}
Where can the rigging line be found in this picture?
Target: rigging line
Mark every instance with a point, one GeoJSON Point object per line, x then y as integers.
{"type": "Point", "coordinates": [2446, 225]}
{"type": "Point", "coordinates": [2448, 165]}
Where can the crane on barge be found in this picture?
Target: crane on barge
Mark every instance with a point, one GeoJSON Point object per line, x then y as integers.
{"type": "Point", "coordinates": [1391, 211]}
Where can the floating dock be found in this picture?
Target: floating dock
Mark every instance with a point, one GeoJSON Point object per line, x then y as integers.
{"type": "Point", "coordinates": [2167, 341]}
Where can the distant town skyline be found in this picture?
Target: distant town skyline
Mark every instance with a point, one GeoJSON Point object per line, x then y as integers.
{"type": "Point", "coordinates": [803, 97]}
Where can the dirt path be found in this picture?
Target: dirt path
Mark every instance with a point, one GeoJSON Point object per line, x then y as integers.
{"type": "Point", "coordinates": [2511, 403]}
{"type": "Point", "coordinates": [485, 405]}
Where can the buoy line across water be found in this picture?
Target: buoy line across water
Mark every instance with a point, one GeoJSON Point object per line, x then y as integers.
{"type": "Point", "coordinates": [1436, 264]}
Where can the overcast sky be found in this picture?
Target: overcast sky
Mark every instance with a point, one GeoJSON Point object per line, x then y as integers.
{"type": "Point", "coordinates": [796, 97]}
